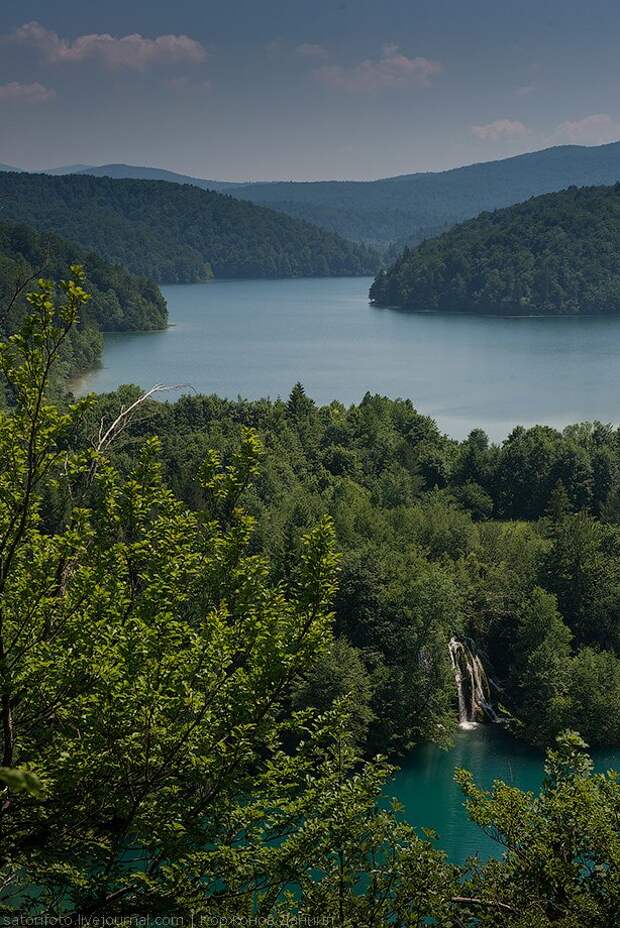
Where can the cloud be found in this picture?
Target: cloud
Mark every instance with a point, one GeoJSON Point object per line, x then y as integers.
{"type": "Point", "coordinates": [502, 130]}
{"type": "Point", "coordinates": [130, 51]}
{"type": "Point", "coordinates": [26, 93]}
{"type": "Point", "coordinates": [391, 69]}
{"type": "Point", "coordinates": [185, 84]}
{"type": "Point", "coordinates": [525, 91]}
{"type": "Point", "coordinates": [595, 129]}
{"type": "Point", "coordinates": [307, 50]}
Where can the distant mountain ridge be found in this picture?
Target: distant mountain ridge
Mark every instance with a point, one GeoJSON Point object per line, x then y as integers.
{"type": "Point", "coordinates": [67, 169]}
{"type": "Point", "coordinates": [133, 172]}
{"type": "Point", "coordinates": [178, 233]}
{"type": "Point", "coordinates": [556, 254]}
{"type": "Point", "coordinates": [411, 207]}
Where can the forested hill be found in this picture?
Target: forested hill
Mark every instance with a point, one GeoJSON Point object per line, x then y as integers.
{"type": "Point", "coordinates": [120, 301]}
{"type": "Point", "coordinates": [553, 255]}
{"type": "Point", "coordinates": [412, 207]}
{"type": "Point", "coordinates": [176, 233]}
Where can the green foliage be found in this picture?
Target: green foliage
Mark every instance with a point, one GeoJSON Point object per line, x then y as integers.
{"type": "Point", "coordinates": [340, 673]}
{"type": "Point", "coordinates": [119, 300]}
{"type": "Point", "coordinates": [554, 255]}
{"type": "Point", "coordinates": [541, 672]}
{"type": "Point", "coordinates": [151, 760]}
{"type": "Point", "coordinates": [20, 779]}
{"type": "Point", "coordinates": [178, 233]}
{"type": "Point", "coordinates": [594, 705]}
{"type": "Point", "coordinates": [583, 569]}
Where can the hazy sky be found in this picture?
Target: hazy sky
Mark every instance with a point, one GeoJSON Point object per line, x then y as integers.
{"type": "Point", "coordinates": [266, 89]}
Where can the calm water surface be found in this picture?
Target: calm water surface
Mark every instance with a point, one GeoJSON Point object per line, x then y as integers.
{"type": "Point", "coordinates": [257, 338]}
{"type": "Point", "coordinates": [426, 788]}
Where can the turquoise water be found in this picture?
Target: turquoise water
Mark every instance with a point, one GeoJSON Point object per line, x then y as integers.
{"type": "Point", "coordinates": [425, 784]}
{"type": "Point", "coordinates": [257, 338]}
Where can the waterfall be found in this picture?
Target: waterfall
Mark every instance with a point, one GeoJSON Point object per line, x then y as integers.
{"type": "Point", "coordinates": [472, 685]}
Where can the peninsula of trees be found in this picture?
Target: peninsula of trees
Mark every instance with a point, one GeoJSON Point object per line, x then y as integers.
{"type": "Point", "coordinates": [553, 255]}
{"type": "Point", "coordinates": [177, 233]}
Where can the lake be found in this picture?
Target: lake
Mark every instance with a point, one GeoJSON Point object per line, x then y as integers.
{"type": "Point", "coordinates": [257, 338]}
{"type": "Point", "coordinates": [426, 788]}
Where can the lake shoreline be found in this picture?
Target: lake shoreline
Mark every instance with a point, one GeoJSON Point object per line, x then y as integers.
{"type": "Point", "coordinates": [256, 339]}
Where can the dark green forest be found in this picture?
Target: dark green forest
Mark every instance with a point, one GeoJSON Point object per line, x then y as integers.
{"type": "Point", "coordinates": [120, 301]}
{"type": "Point", "coordinates": [176, 233]}
{"type": "Point", "coordinates": [514, 547]}
{"type": "Point", "coordinates": [553, 255]}
{"type": "Point", "coordinates": [199, 631]}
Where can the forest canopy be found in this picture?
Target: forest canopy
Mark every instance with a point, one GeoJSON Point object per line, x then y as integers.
{"type": "Point", "coordinates": [553, 255]}
{"type": "Point", "coordinates": [515, 548]}
{"type": "Point", "coordinates": [177, 233]}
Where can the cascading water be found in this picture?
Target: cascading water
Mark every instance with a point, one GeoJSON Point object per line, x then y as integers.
{"type": "Point", "coordinates": [472, 685]}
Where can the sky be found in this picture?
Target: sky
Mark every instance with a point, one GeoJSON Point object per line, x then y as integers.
{"type": "Point", "coordinates": [295, 90]}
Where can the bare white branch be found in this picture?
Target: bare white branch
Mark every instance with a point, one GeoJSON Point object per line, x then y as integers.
{"type": "Point", "coordinates": [125, 415]}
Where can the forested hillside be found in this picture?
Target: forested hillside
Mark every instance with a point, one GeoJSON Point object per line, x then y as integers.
{"type": "Point", "coordinates": [416, 206]}
{"type": "Point", "coordinates": [119, 301]}
{"type": "Point", "coordinates": [553, 255]}
{"type": "Point", "coordinates": [178, 233]}
{"type": "Point", "coordinates": [408, 208]}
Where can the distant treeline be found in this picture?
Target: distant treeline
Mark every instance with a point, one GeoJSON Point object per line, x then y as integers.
{"type": "Point", "coordinates": [553, 255]}
{"type": "Point", "coordinates": [179, 233]}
